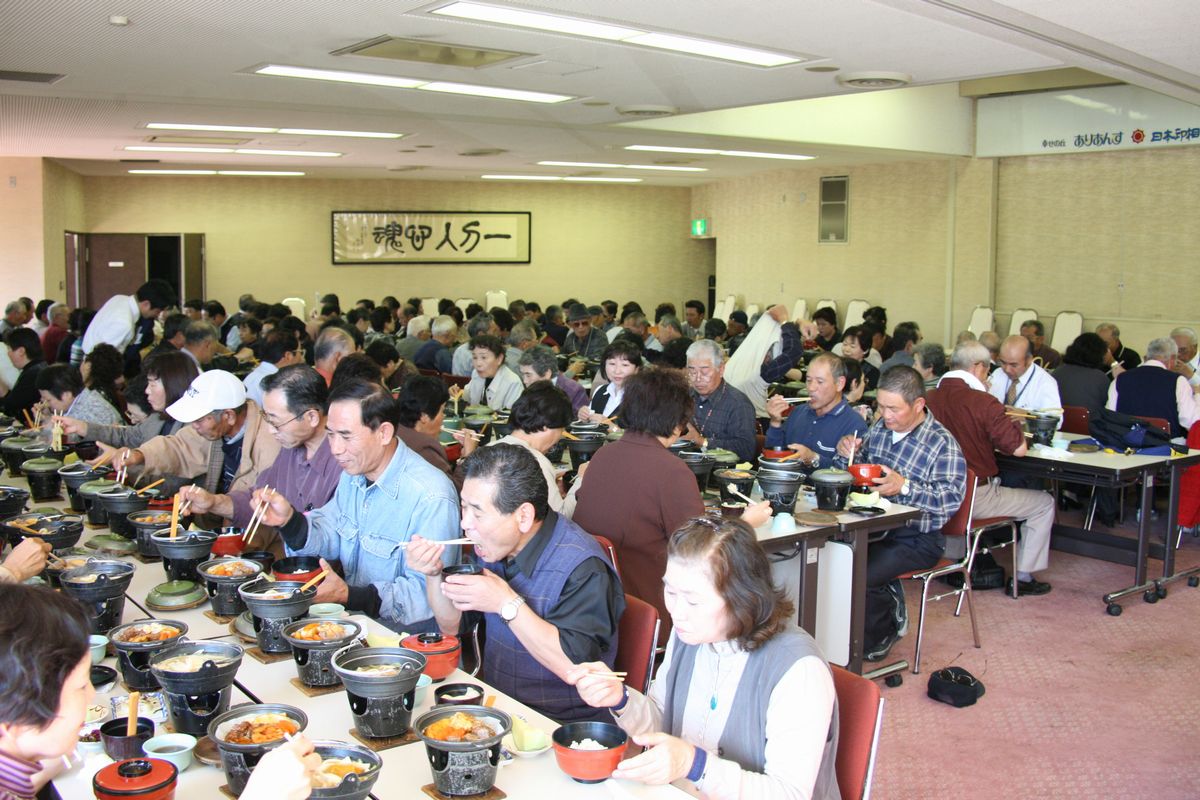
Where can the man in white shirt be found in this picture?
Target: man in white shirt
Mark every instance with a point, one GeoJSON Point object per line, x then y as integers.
{"type": "Point", "coordinates": [1187, 363]}
{"type": "Point", "coordinates": [1150, 390]}
{"type": "Point", "coordinates": [1019, 383]}
{"type": "Point", "coordinates": [117, 320]}
{"type": "Point", "coordinates": [280, 349]}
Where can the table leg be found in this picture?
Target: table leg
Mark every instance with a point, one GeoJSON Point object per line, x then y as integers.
{"type": "Point", "coordinates": [1169, 575]}
{"type": "Point", "coordinates": [858, 602]}
{"type": "Point", "coordinates": [1143, 550]}
{"type": "Point", "coordinates": [806, 596]}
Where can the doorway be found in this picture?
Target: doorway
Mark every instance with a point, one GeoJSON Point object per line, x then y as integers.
{"type": "Point", "coordinates": [101, 265]}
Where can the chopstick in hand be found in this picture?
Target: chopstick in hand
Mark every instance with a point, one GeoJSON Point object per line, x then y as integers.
{"type": "Point", "coordinates": [463, 541]}
{"type": "Point", "coordinates": [313, 581]}
{"type": "Point", "coordinates": [257, 518]}
{"type": "Point", "coordinates": [612, 676]}
{"type": "Point", "coordinates": [150, 486]}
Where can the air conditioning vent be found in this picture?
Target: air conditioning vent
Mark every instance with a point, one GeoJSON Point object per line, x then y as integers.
{"type": "Point", "coordinates": [482, 151]}
{"type": "Point", "coordinates": [644, 111]}
{"type": "Point", "coordinates": [30, 77]}
{"type": "Point", "coordinates": [874, 80]}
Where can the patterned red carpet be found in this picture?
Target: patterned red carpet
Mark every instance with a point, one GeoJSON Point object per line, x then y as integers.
{"type": "Point", "coordinates": [1079, 704]}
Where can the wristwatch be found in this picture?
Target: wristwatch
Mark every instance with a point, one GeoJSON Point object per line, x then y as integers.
{"type": "Point", "coordinates": [905, 489]}
{"type": "Point", "coordinates": [508, 611]}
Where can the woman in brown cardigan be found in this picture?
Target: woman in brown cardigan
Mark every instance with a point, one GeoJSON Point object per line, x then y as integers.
{"type": "Point", "coordinates": [636, 492]}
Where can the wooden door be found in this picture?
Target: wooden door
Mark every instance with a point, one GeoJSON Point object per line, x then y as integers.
{"type": "Point", "coordinates": [116, 264]}
{"type": "Point", "coordinates": [193, 266]}
{"type": "Point", "coordinates": [74, 245]}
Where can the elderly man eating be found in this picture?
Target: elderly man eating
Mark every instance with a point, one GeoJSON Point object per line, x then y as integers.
{"type": "Point", "coordinates": [386, 494]}
{"type": "Point", "coordinates": [549, 597]}
{"type": "Point", "coordinates": [722, 416]}
{"type": "Point", "coordinates": [814, 428]}
{"type": "Point", "coordinates": [924, 467]}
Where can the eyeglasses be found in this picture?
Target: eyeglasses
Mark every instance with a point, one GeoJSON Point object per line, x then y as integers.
{"type": "Point", "coordinates": [278, 425]}
{"type": "Point", "coordinates": [709, 370]}
{"type": "Point", "coordinates": [956, 677]}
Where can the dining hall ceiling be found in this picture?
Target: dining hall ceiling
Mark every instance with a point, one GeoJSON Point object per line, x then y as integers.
{"type": "Point", "coordinates": [193, 62]}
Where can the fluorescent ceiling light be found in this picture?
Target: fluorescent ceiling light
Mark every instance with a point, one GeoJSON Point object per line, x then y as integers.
{"type": "Point", "coordinates": [521, 177]}
{"type": "Point", "coordinates": [703, 151]}
{"type": "Point", "coordinates": [704, 47]}
{"type": "Point", "coordinates": [710, 152]}
{"type": "Point", "coordinates": [492, 91]}
{"type": "Point", "coordinates": [308, 153]}
{"type": "Point", "coordinates": [536, 20]}
{"type": "Point", "coordinates": [172, 172]}
{"type": "Point", "coordinates": [604, 180]}
{"type": "Point", "coordinates": [357, 134]}
{"type": "Point", "coordinates": [339, 75]}
{"type": "Point", "coordinates": [577, 26]}
{"type": "Point", "coordinates": [412, 83]}
{"type": "Point", "coordinates": [255, 172]}
{"type": "Point", "coordinates": [596, 165]}
{"type": "Point", "coordinates": [753, 154]}
{"type": "Point", "coordinates": [182, 126]}
{"type": "Point", "coordinates": [162, 148]}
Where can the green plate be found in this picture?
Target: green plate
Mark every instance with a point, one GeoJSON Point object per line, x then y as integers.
{"type": "Point", "coordinates": [176, 595]}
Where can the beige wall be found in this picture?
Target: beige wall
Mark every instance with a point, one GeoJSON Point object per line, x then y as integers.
{"type": "Point", "coordinates": [62, 207]}
{"type": "Point", "coordinates": [901, 220]}
{"type": "Point", "coordinates": [1111, 235]}
{"type": "Point", "coordinates": [21, 241]}
{"type": "Point", "coordinates": [272, 236]}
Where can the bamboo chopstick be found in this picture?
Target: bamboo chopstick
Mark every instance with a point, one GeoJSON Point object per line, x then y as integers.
{"type": "Point", "coordinates": [150, 486]}
{"type": "Point", "coordinates": [135, 699]}
{"type": "Point", "coordinates": [463, 541]}
{"type": "Point", "coordinates": [613, 676]}
{"type": "Point", "coordinates": [256, 519]}
{"type": "Point", "coordinates": [28, 419]}
{"type": "Point", "coordinates": [467, 431]}
{"type": "Point", "coordinates": [569, 435]}
{"type": "Point", "coordinates": [104, 459]}
{"type": "Point", "coordinates": [175, 516]}
{"type": "Point", "coordinates": [26, 528]}
{"type": "Point", "coordinates": [313, 581]}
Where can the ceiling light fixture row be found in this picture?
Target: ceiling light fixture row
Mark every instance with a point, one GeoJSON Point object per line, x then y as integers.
{"type": "Point", "coordinates": [708, 151]}
{"type": "Point", "coordinates": [559, 178]}
{"type": "Point", "coordinates": [591, 29]}
{"type": "Point", "coordinates": [397, 82]}
{"type": "Point", "coordinates": [187, 126]}
{"type": "Point", "coordinates": [600, 165]}
{"type": "Point", "coordinates": [242, 151]}
{"type": "Point", "coordinates": [242, 172]}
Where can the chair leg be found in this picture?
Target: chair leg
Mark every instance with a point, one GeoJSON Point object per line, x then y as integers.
{"type": "Point", "coordinates": [1013, 546]}
{"type": "Point", "coordinates": [970, 594]}
{"type": "Point", "coordinates": [920, 626]}
{"type": "Point", "coordinates": [972, 547]}
{"type": "Point", "coordinates": [1089, 516]}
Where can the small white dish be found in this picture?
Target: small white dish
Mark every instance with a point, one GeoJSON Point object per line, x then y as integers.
{"type": "Point", "coordinates": [97, 714]}
{"type": "Point", "coordinates": [511, 747]}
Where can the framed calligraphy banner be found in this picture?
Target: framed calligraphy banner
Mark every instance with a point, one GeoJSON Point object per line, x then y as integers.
{"type": "Point", "coordinates": [431, 237]}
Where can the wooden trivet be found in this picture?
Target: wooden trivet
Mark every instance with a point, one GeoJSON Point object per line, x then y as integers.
{"type": "Point", "coordinates": [92, 526]}
{"type": "Point", "coordinates": [268, 658]}
{"type": "Point", "coordinates": [206, 752]}
{"type": "Point", "coordinates": [225, 790]}
{"type": "Point", "coordinates": [491, 794]}
{"type": "Point", "coordinates": [218, 618]}
{"type": "Point", "coordinates": [316, 691]}
{"type": "Point", "coordinates": [379, 745]}
{"type": "Point", "coordinates": [148, 559]}
{"type": "Point", "coordinates": [816, 518]}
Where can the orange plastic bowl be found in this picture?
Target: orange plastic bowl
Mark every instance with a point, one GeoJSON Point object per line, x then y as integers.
{"type": "Point", "coordinates": [589, 766]}
{"type": "Point", "coordinates": [865, 474]}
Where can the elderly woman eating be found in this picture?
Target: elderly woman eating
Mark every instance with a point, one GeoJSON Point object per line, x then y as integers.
{"type": "Point", "coordinates": [491, 384]}
{"type": "Point", "coordinates": [743, 704]}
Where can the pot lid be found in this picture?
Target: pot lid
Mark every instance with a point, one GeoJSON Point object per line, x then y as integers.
{"type": "Point", "coordinates": [176, 593]}
{"type": "Point", "coordinates": [17, 442]}
{"type": "Point", "coordinates": [431, 643]}
{"type": "Point", "coordinates": [41, 464]}
{"type": "Point", "coordinates": [831, 476]}
{"type": "Point", "coordinates": [135, 776]}
{"type": "Point", "coordinates": [97, 486]}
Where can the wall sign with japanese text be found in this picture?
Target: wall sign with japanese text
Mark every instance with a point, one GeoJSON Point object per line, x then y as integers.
{"type": "Point", "coordinates": [431, 237]}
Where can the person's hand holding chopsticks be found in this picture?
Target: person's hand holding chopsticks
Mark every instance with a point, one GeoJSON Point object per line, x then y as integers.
{"type": "Point", "coordinates": [273, 507]}
{"type": "Point", "coordinates": [595, 688]}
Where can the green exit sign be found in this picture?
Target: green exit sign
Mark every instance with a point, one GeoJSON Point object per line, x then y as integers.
{"type": "Point", "coordinates": [699, 227]}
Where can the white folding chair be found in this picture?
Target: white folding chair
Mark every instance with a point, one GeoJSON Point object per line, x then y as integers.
{"type": "Point", "coordinates": [982, 319]}
{"type": "Point", "coordinates": [297, 305]}
{"type": "Point", "coordinates": [1019, 316]}
{"type": "Point", "coordinates": [752, 309]}
{"type": "Point", "coordinates": [1067, 326]}
{"type": "Point", "coordinates": [464, 303]}
{"type": "Point", "coordinates": [854, 312]}
{"type": "Point", "coordinates": [497, 297]}
{"type": "Point", "coordinates": [429, 306]}
{"type": "Point", "coordinates": [800, 309]}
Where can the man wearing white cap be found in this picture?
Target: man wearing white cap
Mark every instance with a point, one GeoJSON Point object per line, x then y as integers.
{"type": "Point", "coordinates": [226, 444]}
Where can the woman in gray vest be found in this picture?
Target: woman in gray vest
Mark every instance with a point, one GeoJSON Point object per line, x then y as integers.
{"type": "Point", "coordinates": [743, 704]}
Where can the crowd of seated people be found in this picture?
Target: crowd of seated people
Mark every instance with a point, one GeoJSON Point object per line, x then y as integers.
{"type": "Point", "coordinates": [343, 416]}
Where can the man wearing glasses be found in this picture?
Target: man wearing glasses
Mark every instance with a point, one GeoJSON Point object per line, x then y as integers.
{"type": "Point", "coordinates": [583, 341]}
{"type": "Point", "coordinates": [722, 417]}
{"type": "Point", "coordinates": [305, 473]}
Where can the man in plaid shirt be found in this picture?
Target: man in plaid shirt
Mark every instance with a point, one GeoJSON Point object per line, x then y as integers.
{"type": "Point", "coordinates": [923, 467]}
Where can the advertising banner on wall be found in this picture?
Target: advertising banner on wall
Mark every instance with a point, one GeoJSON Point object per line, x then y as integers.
{"type": "Point", "coordinates": [1122, 118]}
{"type": "Point", "coordinates": [431, 237]}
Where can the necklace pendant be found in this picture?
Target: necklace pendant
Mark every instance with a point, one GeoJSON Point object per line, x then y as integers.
{"type": "Point", "coordinates": [712, 702]}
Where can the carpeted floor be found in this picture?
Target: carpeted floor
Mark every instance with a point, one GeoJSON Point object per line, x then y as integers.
{"type": "Point", "coordinates": [1079, 704]}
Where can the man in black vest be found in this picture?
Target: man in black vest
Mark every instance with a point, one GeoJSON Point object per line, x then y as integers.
{"type": "Point", "coordinates": [549, 597]}
{"type": "Point", "coordinates": [1155, 389]}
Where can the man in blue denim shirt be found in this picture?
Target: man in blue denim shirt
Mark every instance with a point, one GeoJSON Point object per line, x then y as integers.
{"type": "Point", "coordinates": [386, 494]}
